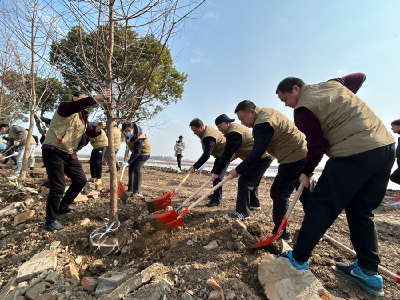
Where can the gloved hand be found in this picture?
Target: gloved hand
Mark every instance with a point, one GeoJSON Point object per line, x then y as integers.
{"type": "Point", "coordinates": [16, 143]}
{"type": "Point", "coordinates": [125, 164]}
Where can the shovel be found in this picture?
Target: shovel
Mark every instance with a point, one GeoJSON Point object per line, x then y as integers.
{"type": "Point", "coordinates": [276, 236]}
{"type": "Point", "coordinates": [2, 158]}
{"type": "Point", "coordinates": [163, 201]}
{"type": "Point", "coordinates": [122, 194]}
{"type": "Point", "coordinates": [347, 249]}
{"type": "Point", "coordinates": [178, 221]}
{"type": "Point", "coordinates": [158, 220]}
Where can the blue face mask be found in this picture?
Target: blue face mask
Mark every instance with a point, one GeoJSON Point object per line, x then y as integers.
{"type": "Point", "coordinates": [128, 134]}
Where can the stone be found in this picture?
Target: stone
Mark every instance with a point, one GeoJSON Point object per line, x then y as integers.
{"type": "Point", "coordinates": [11, 284]}
{"type": "Point", "coordinates": [213, 284]}
{"type": "Point", "coordinates": [239, 225]}
{"type": "Point", "coordinates": [230, 295]}
{"type": "Point", "coordinates": [85, 221]}
{"type": "Point", "coordinates": [230, 246]}
{"type": "Point", "coordinates": [211, 246]}
{"type": "Point", "coordinates": [283, 246]}
{"type": "Point", "coordinates": [152, 291]}
{"type": "Point", "coordinates": [29, 201]}
{"type": "Point", "coordinates": [238, 245]}
{"type": "Point", "coordinates": [52, 277]}
{"type": "Point", "coordinates": [186, 296]}
{"type": "Point", "coordinates": [71, 272]}
{"type": "Point", "coordinates": [110, 280]}
{"type": "Point", "coordinates": [81, 198]}
{"type": "Point", "coordinates": [46, 297]}
{"type": "Point", "coordinates": [25, 216]}
{"type": "Point", "coordinates": [54, 245]}
{"type": "Point", "coordinates": [280, 281]}
{"type": "Point", "coordinates": [216, 295]}
{"type": "Point", "coordinates": [137, 281]}
{"type": "Point", "coordinates": [38, 264]}
{"type": "Point", "coordinates": [89, 283]}
{"type": "Point", "coordinates": [36, 290]}
{"type": "Point", "coordinates": [79, 260]}
{"type": "Point", "coordinates": [10, 209]}
{"type": "Point", "coordinates": [52, 252]}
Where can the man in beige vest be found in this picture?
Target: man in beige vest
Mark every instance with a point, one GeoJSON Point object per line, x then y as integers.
{"type": "Point", "coordinates": [355, 178]}
{"type": "Point", "coordinates": [17, 138]}
{"type": "Point", "coordinates": [99, 144]}
{"type": "Point", "coordinates": [239, 142]}
{"type": "Point", "coordinates": [275, 133]}
{"type": "Point", "coordinates": [65, 137]}
{"type": "Point", "coordinates": [213, 143]}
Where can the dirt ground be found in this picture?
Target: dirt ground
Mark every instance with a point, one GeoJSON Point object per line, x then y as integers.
{"type": "Point", "coordinates": [187, 262]}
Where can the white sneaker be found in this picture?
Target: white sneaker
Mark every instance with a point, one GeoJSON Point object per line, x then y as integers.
{"type": "Point", "coordinates": [179, 171]}
{"type": "Point", "coordinates": [12, 177]}
{"type": "Point", "coordinates": [255, 207]}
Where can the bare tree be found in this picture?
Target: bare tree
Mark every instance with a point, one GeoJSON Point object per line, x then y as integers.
{"type": "Point", "coordinates": [111, 64]}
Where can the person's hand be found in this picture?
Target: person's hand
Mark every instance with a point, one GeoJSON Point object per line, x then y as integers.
{"type": "Point", "coordinates": [100, 126]}
{"type": "Point", "coordinates": [16, 143]}
{"type": "Point", "coordinates": [105, 95]}
{"type": "Point", "coordinates": [305, 180]}
{"type": "Point", "coordinates": [214, 176]}
{"type": "Point", "coordinates": [192, 170]}
{"type": "Point", "coordinates": [234, 157]}
{"type": "Point", "coordinates": [234, 174]}
{"type": "Point", "coordinates": [125, 164]}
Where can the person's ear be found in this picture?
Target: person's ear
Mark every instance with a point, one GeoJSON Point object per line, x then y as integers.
{"type": "Point", "coordinates": [296, 88]}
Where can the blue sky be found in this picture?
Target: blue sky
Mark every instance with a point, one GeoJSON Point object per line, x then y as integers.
{"type": "Point", "coordinates": [234, 50]}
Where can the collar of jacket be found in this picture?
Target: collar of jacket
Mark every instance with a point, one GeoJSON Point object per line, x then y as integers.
{"type": "Point", "coordinates": [301, 91]}
{"type": "Point", "coordinates": [256, 111]}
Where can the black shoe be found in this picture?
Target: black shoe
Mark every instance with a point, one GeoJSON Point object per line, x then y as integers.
{"type": "Point", "coordinates": [31, 168]}
{"type": "Point", "coordinates": [211, 204]}
{"type": "Point", "coordinates": [133, 194]}
{"type": "Point", "coordinates": [239, 216]}
{"type": "Point", "coordinates": [56, 225]}
{"type": "Point", "coordinates": [286, 237]}
{"type": "Point", "coordinates": [64, 211]}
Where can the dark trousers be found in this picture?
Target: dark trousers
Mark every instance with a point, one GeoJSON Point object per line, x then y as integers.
{"type": "Point", "coordinates": [356, 183]}
{"type": "Point", "coordinates": [217, 195]}
{"type": "Point", "coordinates": [179, 159]}
{"type": "Point", "coordinates": [56, 166]}
{"type": "Point", "coordinates": [135, 176]}
{"type": "Point", "coordinates": [247, 194]}
{"type": "Point", "coordinates": [12, 158]}
{"type": "Point", "coordinates": [395, 176]}
{"type": "Point", "coordinates": [285, 182]}
{"type": "Point", "coordinates": [96, 162]}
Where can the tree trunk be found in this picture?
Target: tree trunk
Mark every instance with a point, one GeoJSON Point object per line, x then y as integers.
{"type": "Point", "coordinates": [110, 125]}
{"type": "Point", "coordinates": [32, 102]}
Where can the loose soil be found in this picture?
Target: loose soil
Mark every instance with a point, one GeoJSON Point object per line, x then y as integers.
{"type": "Point", "coordinates": [191, 265]}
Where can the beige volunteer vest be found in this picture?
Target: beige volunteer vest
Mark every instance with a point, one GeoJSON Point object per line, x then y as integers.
{"type": "Point", "coordinates": [348, 124]}
{"type": "Point", "coordinates": [13, 136]}
{"type": "Point", "coordinates": [146, 149]}
{"type": "Point", "coordinates": [246, 146]}
{"type": "Point", "coordinates": [66, 133]}
{"type": "Point", "coordinates": [117, 138]}
{"type": "Point", "coordinates": [287, 144]}
{"type": "Point", "coordinates": [219, 138]}
{"type": "Point", "coordinates": [99, 141]}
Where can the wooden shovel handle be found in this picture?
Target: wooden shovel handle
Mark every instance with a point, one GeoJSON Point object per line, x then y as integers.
{"type": "Point", "coordinates": [44, 125]}
{"type": "Point", "coordinates": [196, 192]}
{"type": "Point", "coordinates": [350, 251]}
{"type": "Point", "coordinates": [295, 198]}
{"type": "Point", "coordinates": [208, 193]}
{"type": "Point", "coordinates": [182, 182]}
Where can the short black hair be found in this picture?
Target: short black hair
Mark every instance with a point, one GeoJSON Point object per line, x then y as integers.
{"type": "Point", "coordinates": [130, 125]}
{"type": "Point", "coordinates": [196, 122]}
{"type": "Point", "coordinates": [245, 105]}
{"type": "Point", "coordinates": [80, 93]}
{"type": "Point", "coordinates": [4, 125]}
{"type": "Point", "coordinates": [180, 137]}
{"type": "Point", "coordinates": [286, 85]}
{"type": "Point", "coordinates": [395, 122]}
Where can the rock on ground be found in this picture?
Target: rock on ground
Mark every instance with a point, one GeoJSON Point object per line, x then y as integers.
{"type": "Point", "coordinates": [38, 264]}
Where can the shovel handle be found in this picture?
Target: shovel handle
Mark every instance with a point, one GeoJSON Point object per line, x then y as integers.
{"type": "Point", "coordinates": [207, 194]}
{"type": "Point", "coordinates": [196, 192]}
{"type": "Point", "coordinates": [44, 125]}
{"type": "Point", "coordinates": [182, 182]}
{"type": "Point", "coordinates": [295, 198]}
{"type": "Point", "coordinates": [350, 251]}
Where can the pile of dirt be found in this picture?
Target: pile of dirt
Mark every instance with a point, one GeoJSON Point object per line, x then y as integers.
{"type": "Point", "coordinates": [182, 250]}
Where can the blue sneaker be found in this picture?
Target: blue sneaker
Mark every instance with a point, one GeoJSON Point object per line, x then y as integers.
{"type": "Point", "coordinates": [372, 284]}
{"type": "Point", "coordinates": [295, 264]}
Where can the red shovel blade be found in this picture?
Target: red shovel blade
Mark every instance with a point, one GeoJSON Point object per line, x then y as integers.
{"type": "Point", "coordinates": [159, 220]}
{"type": "Point", "coordinates": [272, 238]}
{"type": "Point", "coordinates": [159, 203]}
{"type": "Point", "coordinates": [174, 224]}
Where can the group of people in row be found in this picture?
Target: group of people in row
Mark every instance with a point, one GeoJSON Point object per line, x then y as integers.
{"type": "Point", "coordinates": [330, 119]}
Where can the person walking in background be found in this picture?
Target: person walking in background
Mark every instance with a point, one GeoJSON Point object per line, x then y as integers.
{"type": "Point", "coordinates": [140, 147]}
{"type": "Point", "coordinates": [17, 137]}
{"type": "Point", "coordinates": [362, 152]}
{"type": "Point", "coordinates": [99, 144]}
{"type": "Point", "coordinates": [65, 137]}
{"type": "Point", "coordinates": [395, 176]}
{"type": "Point", "coordinates": [180, 149]}
{"type": "Point", "coordinates": [213, 143]}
